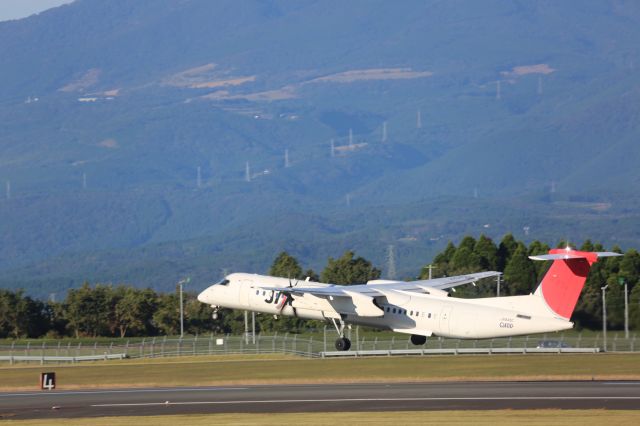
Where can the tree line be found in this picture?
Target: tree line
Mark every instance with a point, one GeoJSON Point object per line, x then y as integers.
{"type": "Point", "coordinates": [127, 311]}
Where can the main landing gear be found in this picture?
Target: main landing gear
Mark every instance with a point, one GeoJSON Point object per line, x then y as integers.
{"type": "Point", "coordinates": [418, 340]}
{"type": "Point", "coordinates": [342, 344]}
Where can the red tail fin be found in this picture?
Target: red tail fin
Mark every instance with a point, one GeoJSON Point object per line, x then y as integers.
{"type": "Point", "coordinates": [562, 284]}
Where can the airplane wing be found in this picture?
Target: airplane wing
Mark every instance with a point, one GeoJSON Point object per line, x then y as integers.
{"type": "Point", "coordinates": [449, 282]}
{"type": "Point", "coordinates": [362, 295]}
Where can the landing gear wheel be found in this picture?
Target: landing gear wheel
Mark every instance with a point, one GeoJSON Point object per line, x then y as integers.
{"type": "Point", "coordinates": [418, 340]}
{"type": "Point", "coordinates": [214, 314]}
{"type": "Point", "coordinates": [343, 344]}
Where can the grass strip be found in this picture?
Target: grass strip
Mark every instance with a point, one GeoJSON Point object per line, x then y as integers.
{"type": "Point", "coordinates": [502, 417]}
{"type": "Point", "coordinates": [248, 369]}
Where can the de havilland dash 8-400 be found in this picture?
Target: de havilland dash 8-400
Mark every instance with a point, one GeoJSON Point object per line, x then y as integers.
{"type": "Point", "coordinates": [419, 308]}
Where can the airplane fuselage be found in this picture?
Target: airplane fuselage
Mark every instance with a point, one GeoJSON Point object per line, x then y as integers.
{"type": "Point", "coordinates": [401, 311]}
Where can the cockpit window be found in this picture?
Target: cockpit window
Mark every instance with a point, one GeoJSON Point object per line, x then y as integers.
{"type": "Point", "coordinates": [223, 282]}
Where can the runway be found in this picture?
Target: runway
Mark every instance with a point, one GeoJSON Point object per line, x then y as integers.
{"type": "Point", "coordinates": [321, 398]}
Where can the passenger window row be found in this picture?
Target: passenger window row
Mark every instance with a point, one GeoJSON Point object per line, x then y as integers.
{"type": "Point", "coordinates": [404, 312]}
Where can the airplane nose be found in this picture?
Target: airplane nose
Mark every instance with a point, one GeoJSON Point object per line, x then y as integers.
{"type": "Point", "coordinates": [202, 297]}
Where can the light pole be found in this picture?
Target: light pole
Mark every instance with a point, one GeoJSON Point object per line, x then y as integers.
{"type": "Point", "coordinates": [498, 280]}
{"type": "Point", "coordinates": [622, 281]}
{"type": "Point", "coordinates": [180, 284]}
{"type": "Point", "coordinates": [604, 315]}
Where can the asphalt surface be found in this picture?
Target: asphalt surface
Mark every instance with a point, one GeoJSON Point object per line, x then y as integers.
{"type": "Point", "coordinates": [321, 398]}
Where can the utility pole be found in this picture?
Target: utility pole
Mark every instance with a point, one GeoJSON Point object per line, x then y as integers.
{"type": "Point", "coordinates": [384, 131]}
{"type": "Point", "coordinates": [181, 283]}
{"type": "Point", "coordinates": [498, 281]}
{"type": "Point", "coordinates": [622, 281]}
{"type": "Point", "coordinates": [246, 328]}
{"type": "Point", "coordinates": [604, 315]}
{"type": "Point", "coordinates": [253, 327]}
{"type": "Point", "coordinates": [430, 268]}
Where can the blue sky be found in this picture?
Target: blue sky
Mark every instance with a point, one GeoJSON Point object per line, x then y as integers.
{"type": "Point", "coordinates": [16, 9]}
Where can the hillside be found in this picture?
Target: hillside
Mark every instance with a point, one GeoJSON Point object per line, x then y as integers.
{"type": "Point", "coordinates": [145, 140]}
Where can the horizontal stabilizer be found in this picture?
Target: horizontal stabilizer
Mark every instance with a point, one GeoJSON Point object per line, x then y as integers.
{"type": "Point", "coordinates": [573, 254]}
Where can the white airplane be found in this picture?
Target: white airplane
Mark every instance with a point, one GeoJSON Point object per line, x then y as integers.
{"type": "Point", "coordinates": [418, 308]}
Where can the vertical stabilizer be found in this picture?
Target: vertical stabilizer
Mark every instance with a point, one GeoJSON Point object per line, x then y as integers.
{"type": "Point", "coordinates": [562, 284]}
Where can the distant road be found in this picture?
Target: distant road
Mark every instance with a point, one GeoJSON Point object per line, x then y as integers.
{"type": "Point", "coordinates": [321, 398]}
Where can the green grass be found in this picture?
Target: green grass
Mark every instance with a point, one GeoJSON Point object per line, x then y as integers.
{"type": "Point", "coordinates": [516, 417]}
{"type": "Point", "coordinates": [205, 370]}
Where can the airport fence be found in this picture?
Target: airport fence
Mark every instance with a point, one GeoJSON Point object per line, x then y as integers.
{"type": "Point", "coordinates": [314, 345]}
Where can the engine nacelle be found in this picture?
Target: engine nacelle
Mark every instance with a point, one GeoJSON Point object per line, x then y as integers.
{"type": "Point", "coordinates": [436, 292]}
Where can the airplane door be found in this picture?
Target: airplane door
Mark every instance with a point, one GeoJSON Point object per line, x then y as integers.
{"type": "Point", "coordinates": [245, 288]}
{"type": "Point", "coordinates": [445, 319]}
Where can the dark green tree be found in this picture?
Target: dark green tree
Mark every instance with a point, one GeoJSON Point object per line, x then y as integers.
{"type": "Point", "coordinates": [536, 247]}
{"type": "Point", "coordinates": [349, 269]}
{"type": "Point", "coordinates": [506, 248]}
{"type": "Point", "coordinates": [440, 263]}
{"type": "Point", "coordinates": [133, 311]}
{"type": "Point", "coordinates": [487, 251]}
{"type": "Point", "coordinates": [286, 266]}
{"type": "Point", "coordinates": [519, 274]}
{"type": "Point", "coordinates": [166, 318]}
{"type": "Point", "coordinates": [89, 310]}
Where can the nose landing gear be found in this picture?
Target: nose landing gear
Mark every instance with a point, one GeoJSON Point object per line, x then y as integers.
{"type": "Point", "coordinates": [214, 315]}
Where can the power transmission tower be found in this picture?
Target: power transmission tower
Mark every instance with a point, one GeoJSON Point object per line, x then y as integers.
{"type": "Point", "coordinates": [286, 158]}
{"type": "Point", "coordinates": [391, 262]}
{"type": "Point", "coordinates": [247, 172]}
{"type": "Point", "coordinates": [539, 85]}
{"type": "Point", "coordinates": [384, 131]}
{"type": "Point", "coordinates": [199, 178]}
{"type": "Point", "coordinates": [419, 120]}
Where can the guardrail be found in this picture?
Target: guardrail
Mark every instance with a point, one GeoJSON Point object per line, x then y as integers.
{"type": "Point", "coordinates": [72, 359]}
{"type": "Point", "coordinates": [454, 351]}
